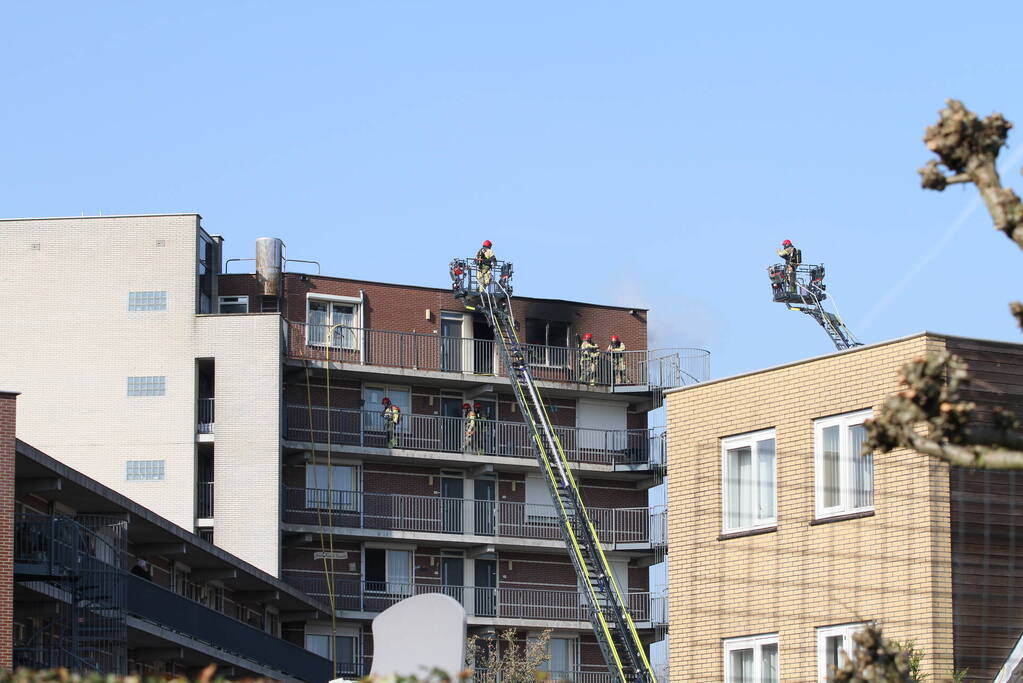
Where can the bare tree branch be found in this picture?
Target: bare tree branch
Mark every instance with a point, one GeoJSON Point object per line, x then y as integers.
{"type": "Point", "coordinates": [968, 147]}
{"type": "Point", "coordinates": [875, 660]}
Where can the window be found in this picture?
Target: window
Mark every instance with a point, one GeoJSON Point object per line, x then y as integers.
{"type": "Point", "coordinates": [748, 474]}
{"type": "Point", "coordinates": [373, 405]}
{"type": "Point", "coordinates": [234, 304]}
{"type": "Point", "coordinates": [831, 642]}
{"type": "Point", "coordinates": [539, 506]}
{"type": "Point", "coordinates": [330, 487]}
{"type": "Point", "coordinates": [346, 650]}
{"type": "Point", "coordinates": [147, 301]}
{"type": "Point", "coordinates": [548, 340]}
{"type": "Point", "coordinates": [563, 653]}
{"type": "Point", "coordinates": [753, 659]}
{"type": "Point", "coordinates": [204, 273]}
{"type": "Point", "coordinates": [388, 571]}
{"type": "Point", "coordinates": [323, 316]}
{"type": "Point", "coordinates": [144, 470]}
{"type": "Point", "coordinates": [147, 386]}
{"type": "Point", "coordinates": [844, 478]}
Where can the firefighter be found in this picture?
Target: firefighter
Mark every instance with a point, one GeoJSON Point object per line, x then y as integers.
{"type": "Point", "coordinates": [793, 257]}
{"type": "Point", "coordinates": [485, 262]}
{"type": "Point", "coordinates": [392, 416]}
{"type": "Point", "coordinates": [470, 417]}
{"type": "Point", "coordinates": [616, 352]}
{"type": "Point", "coordinates": [588, 353]}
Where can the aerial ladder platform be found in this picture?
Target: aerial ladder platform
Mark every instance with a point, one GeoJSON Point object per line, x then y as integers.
{"type": "Point", "coordinates": [488, 291]}
{"type": "Point", "coordinates": [802, 289]}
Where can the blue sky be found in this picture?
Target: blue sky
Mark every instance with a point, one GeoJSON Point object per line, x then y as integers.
{"type": "Point", "coordinates": [646, 154]}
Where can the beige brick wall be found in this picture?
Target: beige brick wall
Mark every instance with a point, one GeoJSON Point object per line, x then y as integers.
{"type": "Point", "coordinates": [893, 566]}
{"type": "Point", "coordinates": [70, 342]}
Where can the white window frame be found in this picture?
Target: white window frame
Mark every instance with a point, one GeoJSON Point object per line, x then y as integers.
{"type": "Point", "coordinates": [846, 631]}
{"type": "Point", "coordinates": [232, 301]}
{"type": "Point", "coordinates": [550, 351]}
{"type": "Point", "coordinates": [332, 497]}
{"type": "Point", "coordinates": [755, 643]}
{"type": "Point", "coordinates": [391, 586]}
{"type": "Point", "coordinates": [573, 652]}
{"type": "Point", "coordinates": [847, 465]}
{"type": "Point", "coordinates": [372, 409]}
{"type": "Point", "coordinates": [749, 440]}
{"type": "Point", "coordinates": [348, 342]}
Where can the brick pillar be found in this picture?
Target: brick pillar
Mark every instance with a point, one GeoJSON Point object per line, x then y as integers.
{"type": "Point", "coordinates": [7, 414]}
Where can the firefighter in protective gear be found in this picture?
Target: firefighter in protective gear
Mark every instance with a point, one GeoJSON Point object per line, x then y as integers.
{"type": "Point", "coordinates": [792, 257]}
{"type": "Point", "coordinates": [470, 418]}
{"type": "Point", "coordinates": [392, 416]}
{"type": "Point", "coordinates": [616, 352]}
{"type": "Point", "coordinates": [588, 355]}
{"type": "Point", "coordinates": [485, 262]}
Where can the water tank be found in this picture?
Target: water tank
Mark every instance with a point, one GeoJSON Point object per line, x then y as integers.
{"type": "Point", "coordinates": [269, 261]}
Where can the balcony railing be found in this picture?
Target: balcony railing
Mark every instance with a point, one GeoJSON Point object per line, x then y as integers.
{"type": "Point", "coordinates": [204, 416]}
{"type": "Point", "coordinates": [178, 613]}
{"type": "Point", "coordinates": [595, 675]}
{"type": "Point", "coordinates": [658, 368]}
{"type": "Point", "coordinates": [433, 514]}
{"type": "Point", "coordinates": [204, 504]}
{"type": "Point", "coordinates": [497, 603]}
{"type": "Point", "coordinates": [346, 427]}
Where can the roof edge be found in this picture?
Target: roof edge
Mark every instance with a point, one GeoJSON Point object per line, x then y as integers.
{"type": "Point", "coordinates": [112, 215]}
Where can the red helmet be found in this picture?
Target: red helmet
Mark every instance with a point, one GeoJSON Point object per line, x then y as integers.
{"type": "Point", "coordinates": [614, 337]}
{"type": "Point", "coordinates": [397, 407]}
{"type": "Point", "coordinates": [457, 270]}
{"type": "Point", "coordinates": [487, 244]}
{"type": "Point", "coordinates": [477, 406]}
{"type": "Point", "coordinates": [587, 336]}
{"type": "Point", "coordinates": [787, 243]}
{"type": "Point", "coordinates": [386, 401]}
{"type": "Point", "coordinates": [466, 406]}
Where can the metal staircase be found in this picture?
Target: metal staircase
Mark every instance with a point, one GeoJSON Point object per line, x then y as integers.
{"type": "Point", "coordinates": [804, 291]}
{"type": "Point", "coordinates": [613, 627]}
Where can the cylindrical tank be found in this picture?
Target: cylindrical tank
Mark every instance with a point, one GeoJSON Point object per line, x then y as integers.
{"type": "Point", "coordinates": [269, 261]}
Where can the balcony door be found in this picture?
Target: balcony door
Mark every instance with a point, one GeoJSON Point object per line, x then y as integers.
{"type": "Point", "coordinates": [451, 427]}
{"type": "Point", "coordinates": [452, 574]}
{"type": "Point", "coordinates": [485, 582]}
{"type": "Point", "coordinates": [452, 491]}
{"type": "Point", "coordinates": [388, 571]}
{"type": "Point", "coordinates": [451, 342]}
{"type": "Point", "coordinates": [484, 506]}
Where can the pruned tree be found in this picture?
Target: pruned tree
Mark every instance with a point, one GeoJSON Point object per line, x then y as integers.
{"type": "Point", "coordinates": [928, 414]}
{"type": "Point", "coordinates": [505, 658]}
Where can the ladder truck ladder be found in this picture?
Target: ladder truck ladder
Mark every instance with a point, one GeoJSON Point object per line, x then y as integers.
{"type": "Point", "coordinates": [804, 290]}
{"type": "Point", "coordinates": [613, 627]}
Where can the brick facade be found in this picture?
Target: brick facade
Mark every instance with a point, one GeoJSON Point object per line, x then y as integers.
{"type": "Point", "coordinates": [8, 405]}
{"type": "Point", "coordinates": [932, 561]}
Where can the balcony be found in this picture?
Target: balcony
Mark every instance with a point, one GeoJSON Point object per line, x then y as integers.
{"type": "Point", "coordinates": [591, 675]}
{"type": "Point", "coordinates": [205, 421]}
{"type": "Point", "coordinates": [495, 604]}
{"type": "Point", "coordinates": [639, 370]}
{"type": "Point", "coordinates": [616, 527]}
{"type": "Point", "coordinates": [204, 500]}
{"type": "Point", "coordinates": [629, 447]}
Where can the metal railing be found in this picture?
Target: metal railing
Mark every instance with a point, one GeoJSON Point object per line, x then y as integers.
{"type": "Point", "coordinates": [539, 604]}
{"type": "Point", "coordinates": [434, 514]}
{"type": "Point", "coordinates": [349, 427]}
{"type": "Point", "coordinates": [660, 368]}
{"type": "Point", "coordinates": [205, 420]}
{"type": "Point", "coordinates": [595, 675]}
{"type": "Point", "coordinates": [204, 504]}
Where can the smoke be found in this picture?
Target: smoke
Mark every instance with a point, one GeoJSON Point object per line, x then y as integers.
{"type": "Point", "coordinates": [675, 319]}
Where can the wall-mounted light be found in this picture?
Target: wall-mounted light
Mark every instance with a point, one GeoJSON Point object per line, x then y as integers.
{"type": "Point", "coordinates": [429, 314]}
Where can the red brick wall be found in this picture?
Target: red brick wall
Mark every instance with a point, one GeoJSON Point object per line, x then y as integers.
{"type": "Point", "coordinates": [402, 307]}
{"type": "Point", "coordinates": [7, 423]}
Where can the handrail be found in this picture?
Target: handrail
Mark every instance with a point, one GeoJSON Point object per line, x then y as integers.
{"type": "Point", "coordinates": [662, 368]}
{"type": "Point", "coordinates": [352, 427]}
{"type": "Point", "coordinates": [502, 602]}
{"type": "Point", "coordinates": [435, 514]}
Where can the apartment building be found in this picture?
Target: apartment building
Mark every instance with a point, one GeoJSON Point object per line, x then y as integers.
{"type": "Point", "coordinates": [248, 407]}
{"type": "Point", "coordinates": [99, 582]}
{"type": "Point", "coordinates": [786, 541]}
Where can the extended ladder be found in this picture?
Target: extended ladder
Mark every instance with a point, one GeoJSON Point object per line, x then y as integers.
{"type": "Point", "coordinates": [613, 627]}
{"type": "Point", "coordinates": [804, 290]}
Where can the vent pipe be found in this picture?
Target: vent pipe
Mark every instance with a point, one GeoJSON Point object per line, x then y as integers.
{"type": "Point", "coordinates": [269, 261]}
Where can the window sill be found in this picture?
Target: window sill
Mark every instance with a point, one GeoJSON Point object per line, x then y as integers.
{"type": "Point", "coordinates": [748, 532]}
{"type": "Point", "coordinates": [842, 518]}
